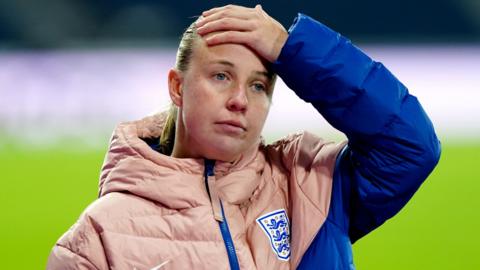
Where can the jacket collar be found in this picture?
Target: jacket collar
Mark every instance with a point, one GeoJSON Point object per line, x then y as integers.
{"type": "Point", "coordinates": [132, 166]}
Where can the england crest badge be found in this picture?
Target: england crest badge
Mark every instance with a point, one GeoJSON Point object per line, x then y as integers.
{"type": "Point", "coordinates": [276, 226]}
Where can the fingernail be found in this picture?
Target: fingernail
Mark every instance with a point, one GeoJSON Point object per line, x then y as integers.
{"type": "Point", "coordinates": [207, 12]}
{"type": "Point", "coordinates": [199, 21]}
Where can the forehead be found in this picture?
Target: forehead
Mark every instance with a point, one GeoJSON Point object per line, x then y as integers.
{"type": "Point", "coordinates": [242, 57]}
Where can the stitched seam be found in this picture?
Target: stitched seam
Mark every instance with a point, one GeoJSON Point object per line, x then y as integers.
{"type": "Point", "coordinates": [81, 256]}
{"type": "Point", "coordinates": [168, 239]}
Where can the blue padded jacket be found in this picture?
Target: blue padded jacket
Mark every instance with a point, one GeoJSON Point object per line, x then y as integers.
{"type": "Point", "coordinates": [392, 146]}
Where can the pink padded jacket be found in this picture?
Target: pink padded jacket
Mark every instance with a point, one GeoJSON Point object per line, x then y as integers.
{"type": "Point", "coordinates": [154, 211]}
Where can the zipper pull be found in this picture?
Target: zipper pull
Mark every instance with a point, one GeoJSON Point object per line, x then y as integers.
{"type": "Point", "coordinates": [210, 182]}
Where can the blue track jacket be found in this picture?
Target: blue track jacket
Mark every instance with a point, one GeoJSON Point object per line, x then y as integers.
{"type": "Point", "coordinates": [392, 145]}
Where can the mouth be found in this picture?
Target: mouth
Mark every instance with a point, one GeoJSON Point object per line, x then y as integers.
{"type": "Point", "coordinates": [232, 126]}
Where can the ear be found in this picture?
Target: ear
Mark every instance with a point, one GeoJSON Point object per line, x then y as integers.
{"type": "Point", "coordinates": [175, 86]}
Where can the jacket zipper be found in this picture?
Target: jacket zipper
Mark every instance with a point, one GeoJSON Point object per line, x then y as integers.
{"type": "Point", "coordinates": [227, 237]}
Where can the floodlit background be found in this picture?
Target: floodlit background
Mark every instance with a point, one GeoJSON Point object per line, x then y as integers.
{"type": "Point", "coordinates": [71, 70]}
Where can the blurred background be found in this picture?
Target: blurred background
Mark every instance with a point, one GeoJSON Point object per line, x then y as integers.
{"type": "Point", "coordinates": [71, 70]}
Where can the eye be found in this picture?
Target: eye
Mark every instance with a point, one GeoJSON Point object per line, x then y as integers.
{"type": "Point", "coordinates": [259, 87]}
{"type": "Point", "coordinates": [220, 76]}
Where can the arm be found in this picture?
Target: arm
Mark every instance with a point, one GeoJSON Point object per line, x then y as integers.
{"type": "Point", "coordinates": [392, 144]}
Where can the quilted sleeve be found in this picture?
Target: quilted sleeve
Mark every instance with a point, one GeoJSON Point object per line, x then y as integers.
{"type": "Point", "coordinates": [63, 258]}
{"type": "Point", "coordinates": [392, 146]}
{"type": "Point", "coordinates": [79, 248]}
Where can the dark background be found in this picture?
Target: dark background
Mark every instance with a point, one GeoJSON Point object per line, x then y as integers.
{"type": "Point", "coordinates": [29, 24]}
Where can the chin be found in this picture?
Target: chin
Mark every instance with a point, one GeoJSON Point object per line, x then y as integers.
{"type": "Point", "coordinates": [224, 151]}
{"type": "Point", "coordinates": [226, 155]}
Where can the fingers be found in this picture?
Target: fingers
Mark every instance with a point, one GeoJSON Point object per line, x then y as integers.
{"type": "Point", "coordinates": [224, 24]}
{"type": "Point", "coordinates": [227, 19]}
{"type": "Point", "coordinates": [225, 8]}
{"type": "Point", "coordinates": [252, 27]}
{"type": "Point", "coordinates": [222, 15]}
{"type": "Point", "coordinates": [228, 37]}
{"type": "Point", "coordinates": [239, 13]}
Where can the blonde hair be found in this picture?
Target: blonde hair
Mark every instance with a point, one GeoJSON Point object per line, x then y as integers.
{"type": "Point", "coordinates": [184, 55]}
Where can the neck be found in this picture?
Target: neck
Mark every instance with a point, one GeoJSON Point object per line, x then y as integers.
{"type": "Point", "coordinates": [179, 150]}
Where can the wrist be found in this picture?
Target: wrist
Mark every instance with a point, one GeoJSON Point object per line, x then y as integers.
{"type": "Point", "coordinates": [278, 45]}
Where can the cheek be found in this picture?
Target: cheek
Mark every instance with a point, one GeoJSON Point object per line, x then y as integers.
{"type": "Point", "coordinates": [198, 91]}
{"type": "Point", "coordinates": [263, 106]}
{"type": "Point", "coordinates": [196, 114]}
{"type": "Point", "coordinates": [194, 125]}
{"type": "Point", "coordinates": [259, 114]}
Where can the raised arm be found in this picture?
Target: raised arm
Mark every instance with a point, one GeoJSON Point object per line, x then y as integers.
{"type": "Point", "coordinates": [392, 145]}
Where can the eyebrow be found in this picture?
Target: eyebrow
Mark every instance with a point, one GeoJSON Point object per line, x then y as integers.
{"type": "Point", "coordinates": [266, 74]}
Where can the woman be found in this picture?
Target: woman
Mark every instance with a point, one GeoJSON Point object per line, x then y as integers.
{"type": "Point", "coordinates": [198, 189]}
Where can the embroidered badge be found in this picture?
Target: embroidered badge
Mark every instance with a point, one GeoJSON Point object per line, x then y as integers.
{"type": "Point", "coordinates": [276, 226]}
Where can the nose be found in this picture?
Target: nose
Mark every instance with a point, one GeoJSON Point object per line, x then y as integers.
{"type": "Point", "coordinates": [237, 100]}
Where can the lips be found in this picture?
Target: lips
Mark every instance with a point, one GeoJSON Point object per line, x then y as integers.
{"type": "Point", "coordinates": [233, 124]}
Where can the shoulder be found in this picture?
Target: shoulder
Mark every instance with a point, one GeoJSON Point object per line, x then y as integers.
{"type": "Point", "coordinates": [83, 243]}
{"type": "Point", "coordinates": [304, 148]}
{"type": "Point", "coordinates": [109, 212]}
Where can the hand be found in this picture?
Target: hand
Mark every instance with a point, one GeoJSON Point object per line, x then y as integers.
{"type": "Point", "coordinates": [252, 27]}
